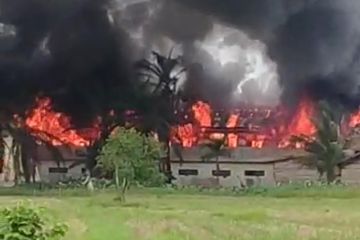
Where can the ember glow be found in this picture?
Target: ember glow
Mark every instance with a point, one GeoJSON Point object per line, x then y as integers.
{"type": "Point", "coordinates": [55, 127]}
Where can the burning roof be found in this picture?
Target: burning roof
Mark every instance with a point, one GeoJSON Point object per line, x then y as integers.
{"type": "Point", "coordinates": [56, 127]}
{"type": "Point", "coordinates": [255, 128]}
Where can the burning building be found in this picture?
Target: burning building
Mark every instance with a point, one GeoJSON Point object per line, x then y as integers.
{"type": "Point", "coordinates": [256, 146]}
{"type": "Point", "coordinates": [66, 71]}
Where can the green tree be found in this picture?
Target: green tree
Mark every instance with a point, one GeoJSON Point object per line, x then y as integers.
{"type": "Point", "coordinates": [326, 147]}
{"type": "Point", "coordinates": [133, 158]}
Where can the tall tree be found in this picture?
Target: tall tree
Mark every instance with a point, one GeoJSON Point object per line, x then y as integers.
{"type": "Point", "coordinates": [161, 77]}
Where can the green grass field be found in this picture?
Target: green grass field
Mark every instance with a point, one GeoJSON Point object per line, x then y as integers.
{"type": "Point", "coordinates": [157, 216]}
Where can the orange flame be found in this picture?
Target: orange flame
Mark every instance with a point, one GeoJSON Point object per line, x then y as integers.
{"type": "Point", "coordinates": [186, 135]}
{"type": "Point", "coordinates": [258, 141]}
{"type": "Point", "coordinates": [202, 114]}
{"type": "Point", "coordinates": [354, 119]}
{"type": "Point", "coordinates": [232, 139]}
{"type": "Point", "coordinates": [255, 135]}
{"type": "Point", "coordinates": [301, 124]}
{"type": "Point", "coordinates": [55, 127]}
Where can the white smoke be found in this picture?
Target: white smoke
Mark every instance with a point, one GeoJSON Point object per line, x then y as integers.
{"type": "Point", "coordinates": [225, 53]}
{"type": "Point", "coordinates": [231, 46]}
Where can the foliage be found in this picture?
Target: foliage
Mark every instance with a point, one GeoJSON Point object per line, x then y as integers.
{"type": "Point", "coordinates": [162, 74]}
{"type": "Point", "coordinates": [78, 183]}
{"type": "Point", "coordinates": [327, 145]}
{"type": "Point", "coordinates": [28, 223]}
{"type": "Point", "coordinates": [132, 156]}
{"type": "Point", "coordinates": [160, 215]}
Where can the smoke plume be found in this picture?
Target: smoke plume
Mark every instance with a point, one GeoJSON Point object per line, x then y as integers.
{"type": "Point", "coordinates": [67, 50]}
{"type": "Point", "coordinates": [80, 52]}
{"type": "Point", "coordinates": [315, 44]}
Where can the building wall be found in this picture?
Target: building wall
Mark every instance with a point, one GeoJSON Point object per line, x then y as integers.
{"type": "Point", "coordinates": [293, 171]}
{"type": "Point", "coordinates": [48, 168]}
{"type": "Point", "coordinates": [67, 153]}
{"type": "Point", "coordinates": [237, 174]}
{"type": "Point", "coordinates": [351, 173]}
{"type": "Point", "coordinates": [49, 171]}
{"type": "Point", "coordinates": [239, 154]}
{"type": "Point", "coordinates": [239, 162]}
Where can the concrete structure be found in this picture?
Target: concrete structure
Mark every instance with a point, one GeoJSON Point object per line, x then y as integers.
{"type": "Point", "coordinates": [350, 170]}
{"type": "Point", "coordinates": [241, 167]}
{"type": "Point", "coordinates": [53, 169]}
{"type": "Point", "coordinates": [50, 166]}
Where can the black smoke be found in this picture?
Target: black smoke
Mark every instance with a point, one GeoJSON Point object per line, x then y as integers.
{"type": "Point", "coordinates": [314, 43]}
{"type": "Point", "coordinates": [68, 50]}
{"type": "Point", "coordinates": [80, 52]}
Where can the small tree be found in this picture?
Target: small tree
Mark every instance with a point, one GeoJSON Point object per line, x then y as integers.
{"type": "Point", "coordinates": [327, 146]}
{"type": "Point", "coordinates": [132, 157]}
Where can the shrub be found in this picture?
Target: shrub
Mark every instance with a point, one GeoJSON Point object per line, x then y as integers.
{"type": "Point", "coordinates": [24, 222]}
{"type": "Point", "coordinates": [132, 156]}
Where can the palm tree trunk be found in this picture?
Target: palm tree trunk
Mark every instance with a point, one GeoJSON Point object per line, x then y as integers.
{"type": "Point", "coordinates": [25, 162]}
{"type": "Point", "coordinates": [167, 161]}
{"type": "Point", "coordinates": [330, 175]}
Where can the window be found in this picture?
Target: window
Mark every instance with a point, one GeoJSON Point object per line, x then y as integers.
{"type": "Point", "coordinates": [58, 170]}
{"type": "Point", "coordinates": [254, 173]}
{"type": "Point", "coordinates": [188, 172]}
{"type": "Point", "coordinates": [221, 173]}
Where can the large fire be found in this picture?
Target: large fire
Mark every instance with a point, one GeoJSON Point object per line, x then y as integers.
{"type": "Point", "coordinates": [246, 127]}
{"type": "Point", "coordinates": [254, 127]}
{"type": "Point", "coordinates": [55, 127]}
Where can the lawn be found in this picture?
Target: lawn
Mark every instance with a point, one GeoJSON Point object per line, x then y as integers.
{"type": "Point", "coordinates": [155, 216]}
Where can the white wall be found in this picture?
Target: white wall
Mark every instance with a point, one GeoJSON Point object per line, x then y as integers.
{"type": "Point", "coordinates": [293, 171]}
{"type": "Point", "coordinates": [351, 174]}
{"type": "Point", "coordinates": [69, 156]}
{"type": "Point", "coordinates": [236, 179]}
{"type": "Point", "coordinates": [46, 176]}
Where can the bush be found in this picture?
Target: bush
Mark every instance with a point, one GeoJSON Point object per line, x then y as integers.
{"type": "Point", "coordinates": [28, 223]}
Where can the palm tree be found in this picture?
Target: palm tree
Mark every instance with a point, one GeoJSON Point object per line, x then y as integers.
{"type": "Point", "coordinates": [326, 148]}
{"type": "Point", "coordinates": [162, 74]}
{"type": "Point", "coordinates": [160, 79]}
